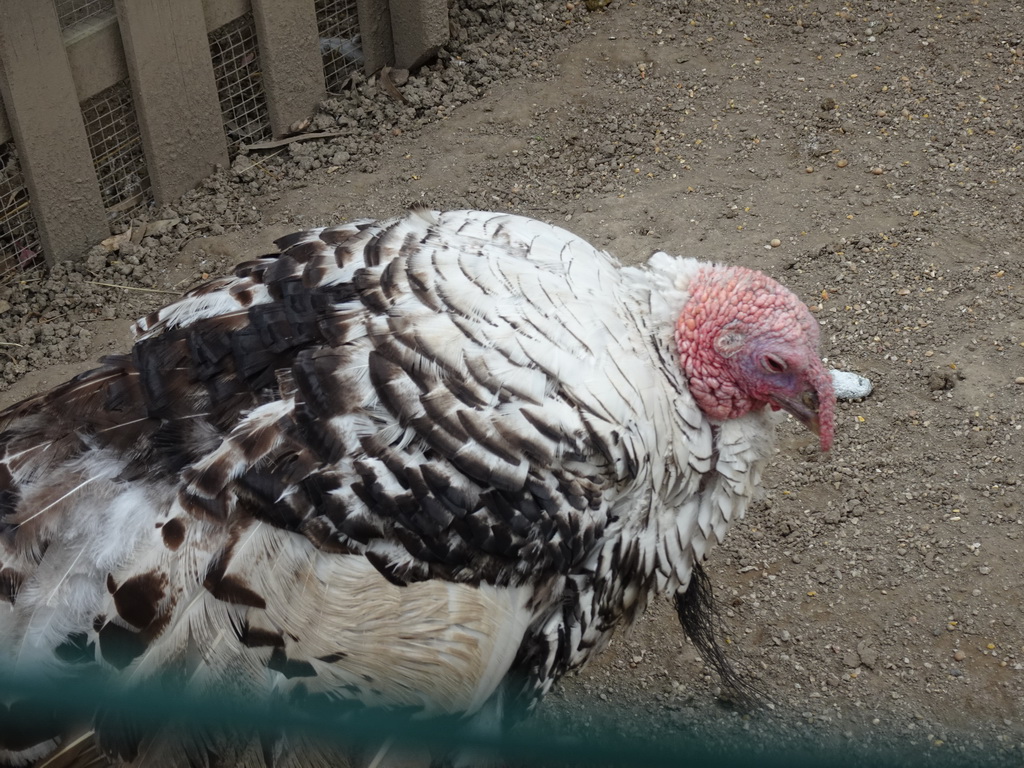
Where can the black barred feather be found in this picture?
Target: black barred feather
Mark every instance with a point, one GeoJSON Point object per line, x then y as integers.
{"type": "Point", "coordinates": [426, 464]}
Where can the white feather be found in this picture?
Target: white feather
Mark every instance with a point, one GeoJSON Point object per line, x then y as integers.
{"type": "Point", "coordinates": [513, 358]}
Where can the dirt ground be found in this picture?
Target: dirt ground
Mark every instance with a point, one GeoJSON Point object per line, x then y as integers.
{"type": "Point", "coordinates": [866, 154]}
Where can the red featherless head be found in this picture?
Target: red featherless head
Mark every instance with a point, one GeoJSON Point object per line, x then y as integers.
{"type": "Point", "coordinates": [746, 342]}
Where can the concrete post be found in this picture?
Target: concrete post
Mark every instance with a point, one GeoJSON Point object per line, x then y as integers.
{"type": "Point", "coordinates": [175, 92]}
{"type": "Point", "coordinates": [293, 73]}
{"type": "Point", "coordinates": [375, 34]}
{"type": "Point", "coordinates": [419, 28]}
{"type": "Point", "coordinates": [46, 121]}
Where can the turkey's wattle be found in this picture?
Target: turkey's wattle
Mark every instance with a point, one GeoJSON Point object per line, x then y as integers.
{"type": "Point", "coordinates": [428, 463]}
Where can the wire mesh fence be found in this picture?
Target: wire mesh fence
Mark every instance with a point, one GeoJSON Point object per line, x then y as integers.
{"type": "Point", "coordinates": [340, 45]}
{"type": "Point", "coordinates": [19, 237]}
{"type": "Point", "coordinates": [73, 12]}
{"type": "Point", "coordinates": [325, 725]}
{"type": "Point", "coordinates": [116, 145]}
{"type": "Point", "coordinates": [236, 65]}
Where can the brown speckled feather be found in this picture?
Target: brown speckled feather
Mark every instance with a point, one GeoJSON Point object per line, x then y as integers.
{"type": "Point", "coordinates": [427, 463]}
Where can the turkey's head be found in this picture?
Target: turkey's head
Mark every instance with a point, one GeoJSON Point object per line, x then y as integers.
{"type": "Point", "coordinates": [746, 342]}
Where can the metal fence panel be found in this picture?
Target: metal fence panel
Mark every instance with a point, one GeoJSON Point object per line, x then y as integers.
{"type": "Point", "coordinates": [159, 69]}
{"type": "Point", "coordinates": [19, 237]}
{"type": "Point", "coordinates": [116, 146]}
{"type": "Point", "coordinates": [72, 12]}
{"type": "Point", "coordinates": [340, 44]}
{"type": "Point", "coordinates": [236, 65]}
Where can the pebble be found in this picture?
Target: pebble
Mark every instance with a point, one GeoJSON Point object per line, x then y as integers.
{"type": "Point", "coordinates": [885, 314]}
{"type": "Point", "coordinates": [775, 243]}
{"type": "Point", "coordinates": [850, 386]}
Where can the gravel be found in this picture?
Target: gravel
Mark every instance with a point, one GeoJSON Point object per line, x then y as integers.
{"type": "Point", "coordinates": [867, 155]}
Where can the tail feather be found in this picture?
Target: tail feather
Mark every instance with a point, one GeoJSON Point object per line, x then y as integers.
{"type": "Point", "coordinates": [701, 621]}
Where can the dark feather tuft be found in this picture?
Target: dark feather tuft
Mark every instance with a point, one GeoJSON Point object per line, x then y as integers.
{"type": "Point", "coordinates": [701, 621]}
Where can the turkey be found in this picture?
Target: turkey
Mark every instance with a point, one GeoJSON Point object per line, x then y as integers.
{"type": "Point", "coordinates": [426, 464]}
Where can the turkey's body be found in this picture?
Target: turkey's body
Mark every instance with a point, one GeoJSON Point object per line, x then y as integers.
{"type": "Point", "coordinates": [428, 463]}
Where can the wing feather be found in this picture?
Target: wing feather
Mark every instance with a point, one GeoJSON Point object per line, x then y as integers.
{"type": "Point", "coordinates": [429, 462]}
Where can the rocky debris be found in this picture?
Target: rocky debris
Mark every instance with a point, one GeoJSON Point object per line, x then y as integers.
{"type": "Point", "coordinates": [874, 591]}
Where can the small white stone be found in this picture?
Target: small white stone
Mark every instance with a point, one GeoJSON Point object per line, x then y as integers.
{"type": "Point", "coordinates": [850, 386]}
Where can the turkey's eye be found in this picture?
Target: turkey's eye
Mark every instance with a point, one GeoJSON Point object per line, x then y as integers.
{"type": "Point", "coordinates": [773, 364]}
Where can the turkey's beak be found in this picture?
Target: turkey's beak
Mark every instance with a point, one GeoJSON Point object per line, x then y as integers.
{"type": "Point", "coordinates": [804, 407]}
{"type": "Point", "coordinates": [812, 402]}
